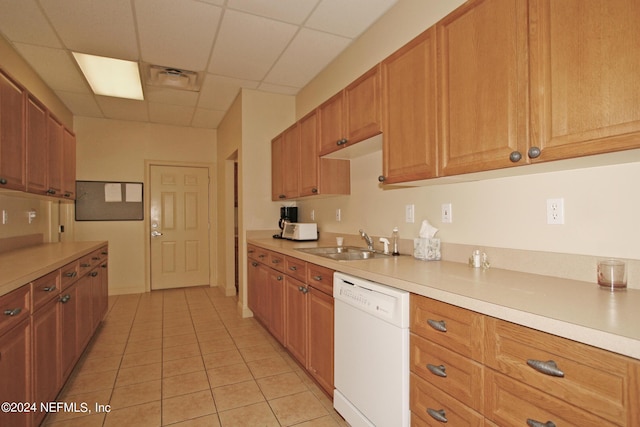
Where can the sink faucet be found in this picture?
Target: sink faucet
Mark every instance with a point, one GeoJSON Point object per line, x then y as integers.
{"type": "Point", "coordinates": [367, 239]}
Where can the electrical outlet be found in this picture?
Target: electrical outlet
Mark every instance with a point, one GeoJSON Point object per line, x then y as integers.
{"type": "Point", "coordinates": [447, 214]}
{"type": "Point", "coordinates": [555, 211]}
{"type": "Point", "coordinates": [409, 213]}
{"type": "Point", "coordinates": [338, 215]}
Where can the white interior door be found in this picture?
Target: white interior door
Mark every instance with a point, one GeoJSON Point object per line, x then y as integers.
{"type": "Point", "coordinates": [179, 221]}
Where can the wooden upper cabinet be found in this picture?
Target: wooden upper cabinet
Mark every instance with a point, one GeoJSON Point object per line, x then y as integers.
{"type": "Point", "coordinates": [285, 164]}
{"type": "Point", "coordinates": [291, 161]}
{"type": "Point", "coordinates": [68, 165]}
{"type": "Point", "coordinates": [55, 137]}
{"type": "Point", "coordinates": [352, 115]}
{"type": "Point", "coordinates": [585, 84]}
{"type": "Point", "coordinates": [309, 159]}
{"type": "Point", "coordinates": [37, 165]}
{"type": "Point", "coordinates": [482, 93]}
{"type": "Point", "coordinates": [409, 111]}
{"type": "Point", "coordinates": [277, 164]}
{"type": "Point", "coordinates": [12, 137]}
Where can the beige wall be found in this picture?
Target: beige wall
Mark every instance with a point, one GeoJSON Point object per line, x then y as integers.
{"type": "Point", "coordinates": [601, 202]}
{"type": "Point", "coordinates": [112, 150]}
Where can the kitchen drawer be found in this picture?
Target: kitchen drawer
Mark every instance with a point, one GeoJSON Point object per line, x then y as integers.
{"type": "Point", "coordinates": [69, 274]}
{"type": "Point", "coordinates": [512, 403]}
{"type": "Point", "coordinates": [257, 254]}
{"type": "Point", "coordinates": [426, 398]}
{"type": "Point", "coordinates": [276, 261]}
{"type": "Point", "coordinates": [85, 264]}
{"type": "Point", "coordinates": [320, 278]}
{"type": "Point", "coordinates": [44, 289]}
{"type": "Point", "coordinates": [450, 372]}
{"type": "Point", "coordinates": [296, 268]}
{"type": "Point", "coordinates": [14, 307]}
{"type": "Point", "coordinates": [599, 381]}
{"type": "Point", "coordinates": [452, 327]}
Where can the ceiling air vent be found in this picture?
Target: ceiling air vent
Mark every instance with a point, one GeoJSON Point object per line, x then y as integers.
{"type": "Point", "coordinates": [172, 78]}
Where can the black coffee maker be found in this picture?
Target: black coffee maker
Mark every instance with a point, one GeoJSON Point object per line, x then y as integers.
{"type": "Point", "coordinates": [287, 214]}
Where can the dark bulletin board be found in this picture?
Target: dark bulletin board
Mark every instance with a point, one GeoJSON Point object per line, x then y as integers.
{"type": "Point", "coordinates": [109, 201]}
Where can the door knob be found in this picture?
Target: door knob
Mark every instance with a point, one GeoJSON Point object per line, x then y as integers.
{"type": "Point", "coordinates": [155, 233]}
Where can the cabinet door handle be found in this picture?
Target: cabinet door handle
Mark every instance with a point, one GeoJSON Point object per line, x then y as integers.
{"type": "Point", "coordinates": [534, 423]}
{"type": "Point", "coordinates": [534, 152]}
{"type": "Point", "coordinates": [65, 299]}
{"type": "Point", "coordinates": [314, 190]}
{"type": "Point", "coordinates": [381, 178]}
{"type": "Point", "coordinates": [51, 191]}
{"type": "Point", "coordinates": [438, 325]}
{"type": "Point", "coordinates": [93, 274]}
{"type": "Point", "coordinates": [282, 196]}
{"type": "Point", "coordinates": [341, 141]}
{"type": "Point", "coordinates": [261, 256]}
{"type": "Point", "coordinates": [3, 181]}
{"type": "Point", "coordinates": [254, 264]}
{"type": "Point", "coordinates": [438, 415]}
{"type": "Point", "coordinates": [548, 368]}
{"type": "Point", "coordinates": [49, 288]}
{"type": "Point", "coordinates": [279, 278]}
{"type": "Point", "coordinates": [317, 278]}
{"type": "Point", "coordinates": [515, 156]}
{"type": "Point", "coordinates": [303, 289]}
{"type": "Point", "coordinates": [13, 312]}
{"type": "Point", "coordinates": [437, 370]}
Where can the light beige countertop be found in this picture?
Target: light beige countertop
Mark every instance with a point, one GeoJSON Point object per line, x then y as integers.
{"type": "Point", "coordinates": [572, 309]}
{"type": "Point", "coordinates": [21, 266]}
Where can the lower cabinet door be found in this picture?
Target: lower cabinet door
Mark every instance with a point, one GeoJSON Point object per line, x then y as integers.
{"type": "Point", "coordinates": [320, 321]}
{"type": "Point", "coordinates": [276, 291]}
{"type": "Point", "coordinates": [15, 374]}
{"type": "Point", "coordinates": [46, 367]}
{"type": "Point", "coordinates": [84, 313]}
{"type": "Point", "coordinates": [296, 319]}
{"type": "Point", "coordinates": [68, 308]}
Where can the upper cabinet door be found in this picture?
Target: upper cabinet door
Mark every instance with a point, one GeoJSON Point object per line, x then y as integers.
{"type": "Point", "coordinates": [482, 86]}
{"type": "Point", "coordinates": [55, 136]}
{"type": "Point", "coordinates": [330, 115]}
{"type": "Point", "coordinates": [37, 147]}
{"type": "Point", "coordinates": [291, 161]}
{"type": "Point", "coordinates": [309, 170]}
{"type": "Point", "coordinates": [277, 165]}
{"type": "Point", "coordinates": [363, 111]}
{"type": "Point", "coordinates": [68, 165]}
{"type": "Point", "coordinates": [12, 136]}
{"type": "Point", "coordinates": [585, 76]}
{"type": "Point", "coordinates": [409, 111]}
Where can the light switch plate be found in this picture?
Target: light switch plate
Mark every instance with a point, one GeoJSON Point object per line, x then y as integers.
{"type": "Point", "coordinates": [447, 214]}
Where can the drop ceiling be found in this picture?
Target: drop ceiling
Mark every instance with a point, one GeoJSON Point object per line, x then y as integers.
{"type": "Point", "coordinates": [268, 45]}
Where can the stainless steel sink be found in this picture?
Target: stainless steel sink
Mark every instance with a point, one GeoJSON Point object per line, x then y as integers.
{"type": "Point", "coordinates": [344, 253]}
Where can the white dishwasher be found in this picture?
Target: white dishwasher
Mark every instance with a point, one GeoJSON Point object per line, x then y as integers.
{"type": "Point", "coordinates": [371, 355]}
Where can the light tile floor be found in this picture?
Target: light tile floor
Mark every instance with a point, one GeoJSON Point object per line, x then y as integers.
{"type": "Point", "coordinates": [186, 358]}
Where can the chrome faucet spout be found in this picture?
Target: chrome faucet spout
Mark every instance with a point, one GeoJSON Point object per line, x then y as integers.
{"type": "Point", "coordinates": [367, 239]}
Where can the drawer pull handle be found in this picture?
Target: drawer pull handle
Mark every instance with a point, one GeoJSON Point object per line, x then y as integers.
{"type": "Point", "coordinates": [275, 261]}
{"type": "Point", "coordinates": [293, 268]}
{"type": "Point", "coordinates": [13, 312]}
{"type": "Point", "coordinates": [49, 288]}
{"type": "Point", "coordinates": [438, 415]}
{"type": "Point", "coordinates": [438, 325]}
{"type": "Point", "coordinates": [255, 264]}
{"type": "Point", "coordinates": [317, 278]}
{"type": "Point", "coordinates": [93, 274]}
{"type": "Point", "coordinates": [534, 423]}
{"type": "Point", "coordinates": [85, 265]}
{"type": "Point", "coordinates": [548, 368]}
{"type": "Point", "coordinates": [71, 274]}
{"type": "Point", "coordinates": [439, 371]}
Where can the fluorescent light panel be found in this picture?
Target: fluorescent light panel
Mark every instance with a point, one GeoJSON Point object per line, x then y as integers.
{"type": "Point", "coordinates": [111, 77]}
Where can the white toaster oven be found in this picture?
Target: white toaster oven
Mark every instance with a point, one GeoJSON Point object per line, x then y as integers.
{"type": "Point", "coordinates": [300, 231]}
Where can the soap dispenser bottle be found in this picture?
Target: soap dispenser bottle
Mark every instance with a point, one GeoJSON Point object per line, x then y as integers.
{"type": "Point", "coordinates": [395, 240]}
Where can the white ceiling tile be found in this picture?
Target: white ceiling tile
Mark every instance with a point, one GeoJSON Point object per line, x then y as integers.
{"type": "Point", "coordinates": [171, 114]}
{"type": "Point", "coordinates": [55, 66]}
{"type": "Point", "coordinates": [103, 28]}
{"type": "Point", "coordinates": [292, 11]}
{"type": "Point", "coordinates": [218, 92]}
{"type": "Point", "coordinates": [123, 109]}
{"type": "Point", "coordinates": [307, 55]}
{"type": "Point", "coordinates": [82, 104]}
{"type": "Point", "coordinates": [22, 21]}
{"type": "Point", "coordinates": [175, 36]}
{"type": "Point", "coordinates": [209, 119]}
{"type": "Point", "coordinates": [162, 95]}
{"type": "Point", "coordinates": [249, 54]}
{"type": "Point", "coordinates": [216, 2]}
{"type": "Point", "coordinates": [347, 18]}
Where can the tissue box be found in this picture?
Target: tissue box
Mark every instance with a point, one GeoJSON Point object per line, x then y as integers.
{"type": "Point", "coordinates": [426, 248]}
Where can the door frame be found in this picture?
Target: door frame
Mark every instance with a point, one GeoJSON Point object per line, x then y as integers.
{"type": "Point", "coordinates": [213, 224]}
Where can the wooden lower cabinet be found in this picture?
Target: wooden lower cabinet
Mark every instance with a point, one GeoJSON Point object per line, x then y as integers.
{"type": "Point", "coordinates": [46, 369]}
{"type": "Point", "coordinates": [68, 333]}
{"type": "Point", "coordinates": [276, 323]}
{"type": "Point", "coordinates": [15, 373]}
{"type": "Point", "coordinates": [521, 377]}
{"type": "Point", "coordinates": [320, 324]}
{"type": "Point", "coordinates": [296, 318]}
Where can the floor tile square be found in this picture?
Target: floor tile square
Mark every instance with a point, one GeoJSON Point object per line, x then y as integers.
{"type": "Point", "coordinates": [258, 414]}
{"type": "Point", "coordinates": [236, 395]}
{"type": "Point", "coordinates": [188, 406]}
